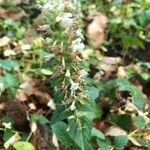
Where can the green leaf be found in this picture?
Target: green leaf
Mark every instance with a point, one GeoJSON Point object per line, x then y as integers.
{"type": "Point", "coordinates": [92, 92]}
{"type": "Point", "coordinates": [11, 80]}
{"type": "Point", "coordinates": [139, 122]}
{"type": "Point", "coordinates": [89, 108]}
{"type": "Point", "coordinates": [104, 144]}
{"type": "Point", "coordinates": [60, 129]}
{"type": "Point", "coordinates": [7, 135]}
{"type": "Point", "coordinates": [144, 142]}
{"type": "Point", "coordinates": [9, 64]}
{"type": "Point", "coordinates": [60, 114]}
{"type": "Point", "coordinates": [46, 72]}
{"type": "Point", "coordinates": [124, 121]}
{"type": "Point", "coordinates": [80, 132]}
{"type": "Point", "coordinates": [145, 76]}
{"type": "Point", "coordinates": [39, 118]}
{"type": "Point", "coordinates": [144, 64]}
{"type": "Point", "coordinates": [128, 42]}
{"type": "Point", "coordinates": [97, 133]}
{"type": "Point", "coordinates": [120, 142]}
{"type": "Point", "coordinates": [125, 85]}
{"type": "Point", "coordinates": [23, 146]}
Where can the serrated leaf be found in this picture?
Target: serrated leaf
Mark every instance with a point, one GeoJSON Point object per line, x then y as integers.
{"type": "Point", "coordinates": [80, 132]}
{"type": "Point", "coordinates": [60, 114]}
{"type": "Point", "coordinates": [39, 118]}
{"type": "Point", "coordinates": [89, 108]}
{"type": "Point", "coordinates": [97, 133]}
{"type": "Point", "coordinates": [92, 92]}
{"type": "Point", "coordinates": [60, 129]}
{"type": "Point", "coordinates": [104, 144]}
{"type": "Point", "coordinates": [23, 146]}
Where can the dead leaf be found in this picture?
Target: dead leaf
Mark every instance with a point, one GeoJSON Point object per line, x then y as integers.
{"type": "Point", "coordinates": [4, 41]}
{"type": "Point", "coordinates": [55, 141]}
{"type": "Point", "coordinates": [134, 141]}
{"type": "Point", "coordinates": [101, 125]}
{"type": "Point", "coordinates": [96, 29]}
{"type": "Point", "coordinates": [115, 131]}
{"type": "Point", "coordinates": [42, 138]}
{"type": "Point", "coordinates": [12, 140]}
{"type": "Point", "coordinates": [12, 14]}
{"type": "Point", "coordinates": [34, 87]}
{"type": "Point", "coordinates": [111, 60]}
{"type": "Point", "coordinates": [121, 72]}
{"type": "Point", "coordinates": [17, 112]}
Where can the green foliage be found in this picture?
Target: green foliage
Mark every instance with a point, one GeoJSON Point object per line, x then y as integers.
{"type": "Point", "coordinates": [9, 65]}
{"type": "Point", "coordinates": [124, 121]}
{"type": "Point", "coordinates": [120, 142]}
{"type": "Point", "coordinates": [39, 118]}
{"type": "Point", "coordinates": [97, 133]}
{"type": "Point", "coordinates": [139, 122]}
{"type": "Point", "coordinates": [21, 145]}
{"type": "Point", "coordinates": [60, 129]}
{"type": "Point", "coordinates": [104, 144]}
{"type": "Point", "coordinates": [59, 63]}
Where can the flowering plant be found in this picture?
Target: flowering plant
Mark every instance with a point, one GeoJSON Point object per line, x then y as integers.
{"type": "Point", "coordinates": [75, 111]}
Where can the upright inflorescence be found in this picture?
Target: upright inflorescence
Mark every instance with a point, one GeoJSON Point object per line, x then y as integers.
{"type": "Point", "coordinates": [74, 110]}
{"type": "Point", "coordinates": [65, 42]}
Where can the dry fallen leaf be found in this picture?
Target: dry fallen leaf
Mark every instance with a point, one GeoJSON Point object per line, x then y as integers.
{"type": "Point", "coordinates": [121, 72]}
{"type": "Point", "coordinates": [115, 131]}
{"type": "Point", "coordinates": [42, 138]}
{"type": "Point", "coordinates": [12, 140]}
{"type": "Point", "coordinates": [134, 141]}
{"type": "Point", "coordinates": [55, 141]}
{"type": "Point", "coordinates": [96, 29]}
{"type": "Point", "coordinates": [10, 13]}
{"type": "Point", "coordinates": [4, 41]}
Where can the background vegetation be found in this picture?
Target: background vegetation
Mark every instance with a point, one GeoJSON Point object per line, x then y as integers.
{"type": "Point", "coordinates": [96, 98]}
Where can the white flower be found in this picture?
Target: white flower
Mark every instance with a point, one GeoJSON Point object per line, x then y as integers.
{"type": "Point", "coordinates": [51, 104]}
{"type": "Point", "coordinates": [68, 73]}
{"type": "Point", "coordinates": [74, 86]}
{"type": "Point", "coordinates": [65, 4]}
{"type": "Point", "coordinates": [83, 73]}
{"type": "Point", "coordinates": [65, 20]}
{"type": "Point", "coordinates": [73, 107]}
{"type": "Point", "coordinates": [77, 45]}
{"type": "Point", "coordinates": [48, 56]}
{"type": "Point", "coordinates": [44, 27]}
{"type": "Point", "coordinates": [48, 7]}
{"type": "Point", "coordinates": [79, 34]}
